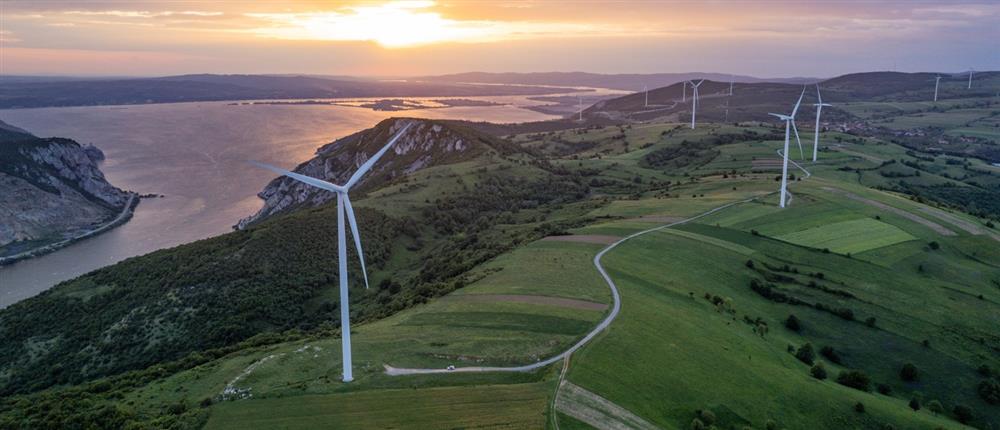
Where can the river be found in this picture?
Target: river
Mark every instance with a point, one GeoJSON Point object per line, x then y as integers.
{"type": "Point", "coordinates": [195, 155]}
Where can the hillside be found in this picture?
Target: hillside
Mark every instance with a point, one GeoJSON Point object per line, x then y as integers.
{"type": "Point", "coordinates": [51, 190]}
{"type": "Point", "coordinates": [279, 274]}
{"type": "Point", "coordinates": [17, 93]}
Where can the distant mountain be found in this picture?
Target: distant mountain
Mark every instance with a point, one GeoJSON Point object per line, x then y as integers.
{"type": "Point", "coordinates": [753, 101]}
{"type": "Point", "coordinates": [28, 93]}
{"type": "Point", "coordinates": [51, 190]}
{"type": "Point", "coordinates": [628, 82]}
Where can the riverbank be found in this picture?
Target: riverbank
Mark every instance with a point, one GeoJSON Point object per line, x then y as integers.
{"type": "Point", "coordinates": [122, 218]}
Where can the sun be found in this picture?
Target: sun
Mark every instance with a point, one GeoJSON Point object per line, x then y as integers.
{"type": "Point", "coordinates": [391, 25]}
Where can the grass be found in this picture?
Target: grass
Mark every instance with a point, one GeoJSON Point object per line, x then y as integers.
{"type": "Point", "coordinates": [505, 406]}
{"type": "Point", "coordinates": [848, 237]}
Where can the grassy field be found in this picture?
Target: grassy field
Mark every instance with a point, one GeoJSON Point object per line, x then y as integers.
{"type": "Point", "coordinates": [848, 237]}
{"type": "Point", "coordinates": [515, 406]}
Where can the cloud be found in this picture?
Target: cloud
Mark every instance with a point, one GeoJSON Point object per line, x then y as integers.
{"type": "Point", "coordinates": [7, 36]}
{"type": "Point", "coordinates": [140, 13]}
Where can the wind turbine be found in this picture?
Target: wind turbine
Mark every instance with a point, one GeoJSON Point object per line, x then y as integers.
{"type": "Point", "coordinates": [694, 99]}
{"type": "Point", "coordinates": [937, 81]}
{"type": "Point", "coordinates": [344, 206]}
{"type": "Point", "coordinates": [789, 123]}
{"type": "Point", "coordinates": [579, 106]}
{"type": "Point", "coordinates": [646, 90]}
{"type": "Point", "coordinates": [819, 110]}
{"type": "Point", "coordinates": [684, 96]}
{"type": "Point", "coordinates": [970, 79]}
{"type": "Point", "coordinates": [731, 79]}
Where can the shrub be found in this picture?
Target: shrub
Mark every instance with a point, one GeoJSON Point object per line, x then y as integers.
{"type": "Point", "coordinates": [962, 413]}
{"type": "Point", "coordinates": [830, 354]}
{"type": "Point", "coordinates": [989, 390]}
{"type": "Point", "coordinates": [792, 323]}
{"type": "Point", "coordinates": [697, 424]}
{"type": "Point", "coordinates": [934, 245]}
{"type": "Point", "coordinates": [915, 404]}
{"type": "Point", "coordinates": [985, 370]}
{"type": "Point", "coordinates": [870, 322]}
{"type": "Point", "coordinates": [935, 406]}
{"type": "Point", "coordinates": [805, 354]}
{"type": "Point", "coordinates": [884, 389]}
{"type": "Point", "coordinates": [909, 372]}
{"type": "Point", "coordinates": [855, 379]}
{"type": "Point", "coordinates": [749, 264]}
{"type": "Point", "coordinates": [859, 407]}
{"type": "Point", "coordinates": [771, 425]}
{"type": "Point", "coordinates": [818, 371]}
{"type": "Point", "coordinates": [707, 416]}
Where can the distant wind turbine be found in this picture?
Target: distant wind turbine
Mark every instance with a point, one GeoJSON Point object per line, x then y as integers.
{"type": "Point", "coordinates": [579, 106]}
{"type": "Point", "coordinates": [694, 99]}
{"type": "Point", "coordinates": [789, 123]}
{"type": "Point", "coordinates": [731, 79]}
{"type": "Point", "coordinates": [684, 96]}
{"type": "Point", "coordinates": [937, 81]}
{"type": "Point", "coordinates": [344, 206]}
{"type": "Point", "coordinates": [970, 79]}
{"type": "Point", "coordinates": [819, 110]}
{"type": "Point", "coordinates": [646, 90]}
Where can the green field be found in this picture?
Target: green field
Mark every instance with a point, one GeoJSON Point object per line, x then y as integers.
{"type": "Point", "coordinates": [848, 237]}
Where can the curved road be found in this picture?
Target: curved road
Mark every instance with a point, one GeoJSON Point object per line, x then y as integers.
{"type": "Point", "coordinates": [616, 308]}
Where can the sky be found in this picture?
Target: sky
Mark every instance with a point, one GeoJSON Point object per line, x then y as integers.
{"type": "Point", "coordinates": [775, 38]}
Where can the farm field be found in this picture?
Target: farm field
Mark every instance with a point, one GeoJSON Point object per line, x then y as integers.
{"type": "Point", "coordinates": [849, 237]}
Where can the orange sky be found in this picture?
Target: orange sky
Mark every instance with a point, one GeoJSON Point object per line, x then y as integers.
{"type": "Point", "coordinates": [395, 38]}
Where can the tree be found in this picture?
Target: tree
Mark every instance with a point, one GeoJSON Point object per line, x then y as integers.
{"type": "Point", "coordinates": [915, 404]}
{"type": "Point", "coordinates": [707, 416]}
{"type": "Point", "coordinates": [830, 353]}
{"type": "Point", "coordinates": [935, 406]}
{"type": "Point", "coordinates": [805, 354]}
{"type": "Point", "coordinates": [818, 371]}
{"type": "Point", "coordinates": [792, 323]}
{"type": "Point", "coordinates": [855, 379]}
{"type": "Point", "coordinates": [962, 413]}
{"type": "Point", "coordinates": [909, 372]}
{"type": "Point", "coordinates": [934, 245]}
{"type": "Point", "coordinates": [697, 424]}
{"type": "Point", "coordinates": [989, 390]}
{"type": "Point", "coordinates": [859, 407]}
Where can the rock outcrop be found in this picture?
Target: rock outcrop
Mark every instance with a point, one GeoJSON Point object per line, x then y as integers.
{"type": "Point", "coordinates": [51, 190]}
{"type": "Point", "coordinates": [427, 143]}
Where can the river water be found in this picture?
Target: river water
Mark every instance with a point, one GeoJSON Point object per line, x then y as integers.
{"type": "Point", "coordinates": [195, 155]}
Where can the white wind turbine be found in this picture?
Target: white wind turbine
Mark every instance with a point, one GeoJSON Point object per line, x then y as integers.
{"type": "Point", "coordinates": [970, 79]}
{"type": "Point", "coordinates": [646, 90]}
{"type": "Point", "coordinates": [579, 106]}
{"type": "Point", "coordinates": [937, 81]}
{"type": "Point", "coordinates": [344, 206]}
{"type": "Point", "coordinates": [684, 95]}
{"type": "Point", "coordinates": [694, 99]}
{"type": "Point", "coordinates": [789, 124]}
{"type": "Point", "coordinates": [819, 110]}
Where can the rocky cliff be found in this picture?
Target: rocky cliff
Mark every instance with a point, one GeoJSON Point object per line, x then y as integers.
{"type": "Point", "coordinates": [426, 143]}
{"type": "Point", "coordinates": [51, 190]}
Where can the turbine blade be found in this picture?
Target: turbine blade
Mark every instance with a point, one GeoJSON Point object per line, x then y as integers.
{"type": "Point", "coordinates": [802, 155]}
{"type": "Point", "coordinates": [371, 161]}
{"type": "Point", "coordinates": [357, 236]}
{"type": "Point", "coordinates": [798, 102]}
{"type": "Point", "coordinates": [318, 183]}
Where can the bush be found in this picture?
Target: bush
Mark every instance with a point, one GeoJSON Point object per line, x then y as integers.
{"type": "Point", "coordinates": [934, 245]}
{"type": "Point", "coordinates": [830, 354]}
{"type": "Point", "coordinates": [697, 424]}
{"type": "Point", "coordinates": [805, 354]}
{"type": "Point", "coordinates": [935, 406]}
{"type": "Point", "coordinates": [915, 404]}
{"type": "Point", "coordinates": [909, 372]}
{"type": "Point", "coordinates": [749, 264]}
{"type": "Point", "coordinates": [985, 370]}
{"type": "Point", "coordinates": [707, 416]}
{"type": "Point", "coordinates": [855, 379]}
{"type": "Point", "coordinates": [883, 389]}
{"type": "Point", "coordinates": [989, 390]}
{"type": "Point", "coordinates": [792, 323]}
{"type": "Point", "coordinates": [962, 413]}
{"type": "Point", "coordinates": [818, 371]}
{"type": "Point", "coordinates": [859, 407]}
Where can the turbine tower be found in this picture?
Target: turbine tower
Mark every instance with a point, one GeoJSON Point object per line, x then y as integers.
{"type": "Point", "coordinates": [579, 106]}
{"type": "Point", "coordinates": [789, 123]}
{"type": "Point", "coordinates": [819, 110]}
{"type": "Point", "coordinates": [937, 81]}
{"type": "Point", "coordinates": [684, 96]}
{"type": "Point", "coordinates": [731, 78]}
{"type": "Point", "coordinates": [646, 90]}
{"type": "Point", "coordinates": [970, 79]}
{"type": "Point", "coordinates": [344, 207]}
{"type": "Point", "coordinates": [694, 99]}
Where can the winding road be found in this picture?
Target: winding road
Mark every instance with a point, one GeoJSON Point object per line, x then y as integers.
{"type": "Point", "coordinates": [615, 309]}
